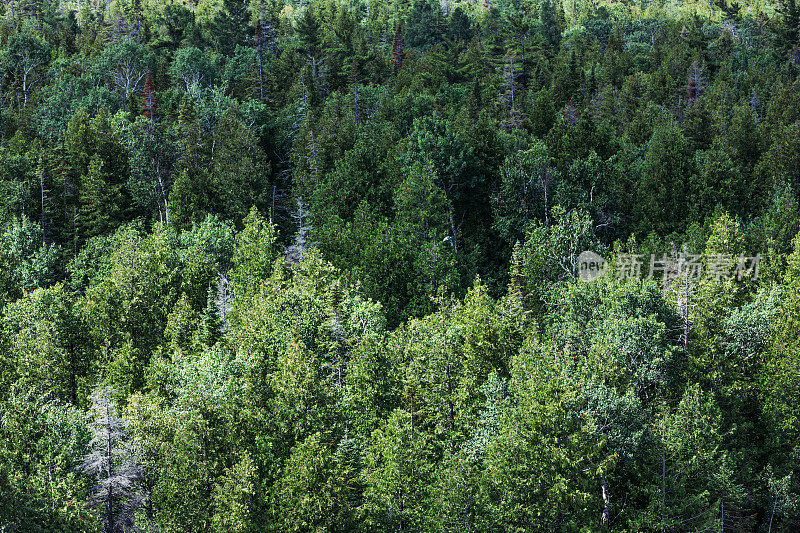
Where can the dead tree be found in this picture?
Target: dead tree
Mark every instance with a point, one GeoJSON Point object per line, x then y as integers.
{"type": "Point", "coordinates": [696, 83]}
{"type": "Point", "coordinates": [112, 465]}
{"type": "Point", "coordinates": [511, 98]}
{"type": "Point", "coordinates": [398, 50]}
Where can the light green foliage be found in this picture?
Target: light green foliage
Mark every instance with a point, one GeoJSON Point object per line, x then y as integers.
{"type": "Point", "coordinates": [529, 475]}
{"type": "Point", "coordinates": [127, 310]}
{"type": "Point", "coordinates": [396, 474]}
{"type": "Point", "coordinates": [550, 252]}
{"type": "Point", "coordinates": [205, 253]}
{"type": "Point", "coordinates": [780, 225]}
{"type": "Point", "coordinates": [253, 256]}
{"type": "Point", "coordinates": [312, 494]}
{"type": "Point", "coordinates": [696, 474]}
{"type": "Point", "coordinates": [780, 375]}
{"type": "Point", "coordinates": [49, 340]}
{"type": "Point", "coordinates": [40, 440]}
{"type": "Point", "coordinates": [452, 501]}
{"type": "Point", "coordinates": [232, 498]}
{"type": "Point", "coordinates": [702, 303]}
{"type": "Point", "coordinates": [31, 263]}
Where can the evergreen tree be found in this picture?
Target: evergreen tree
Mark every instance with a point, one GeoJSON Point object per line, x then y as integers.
{"type": "Point", "coordinates": [111, 465]}
{"type": "Point", "coordinates": [99, 203]}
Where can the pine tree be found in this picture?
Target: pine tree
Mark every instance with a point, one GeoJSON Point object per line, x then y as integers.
{"type": "Point", "coordinates": [64, 184]}
{"type": "Point", "coordinates": [789, 11]}
{"type": "Point", "coordinates": [264, 44]}
{"type": "Point", "coordinates": [354, 85]}
{"type": "Point", "coordinates": [100, 201]}
{"type": "Point", "coordinates": [231, 23]}
{"type": "Point", "coordinates": [550, 27]}
{"type": "Point", "coordinates": [136, 30]}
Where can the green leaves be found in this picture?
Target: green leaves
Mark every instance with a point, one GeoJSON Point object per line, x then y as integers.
{"type": "Point", "coordinates": [40, 441]}
{"type": "Point", "coordinates": [26, 57]}
{"type": "Point", "coordinates": [49, 339]}
{"type": "Point", "coordinates": [313, 492]}
{"type": "Point", "coordinates": [421, 206]}
{"type": "Point", "coordinates": [527, 192]}
{"type": "Point", "coordinates": [382, 368]}
{"type": "Point", "coordinates": [30, 261]}
{"type": "Point", "coordinates": [664, 186]}
{"type": "Point", "coordinates": [397, 470]}
{"type": "Point", "coordinates": [550, 253]}
{"type": "Point", "coordinates": [192, 68]}
{"type": "Point", "coordinates": [253, 256]}
{"type": "Point", "coordinates": [539, 468]}
{"type": "Point", "coordinates": [694, 476]}
{"type": "Point", "coordinates": [232, 497]}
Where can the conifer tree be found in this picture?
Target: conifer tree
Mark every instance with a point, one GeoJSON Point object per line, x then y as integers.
{"type": "Point", "coordinates": [789, 11]}
{"type": "Point", "coordinates": [398, 53]}
{"type": "Point", "coordinates": [100, 201]}
{"type": "Point", "coordinates": [550, 26]}
{"type": "Point", "coordinates": [65, 186]}
{"type": "Point", "coordinates": [111, 464]}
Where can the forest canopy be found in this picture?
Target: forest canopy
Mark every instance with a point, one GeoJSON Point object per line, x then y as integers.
{"type": "Point", "coordinates": [407, 265]}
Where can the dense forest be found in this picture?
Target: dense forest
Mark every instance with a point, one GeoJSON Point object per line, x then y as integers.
{"type": "Point", "coordinates": [316, 265]}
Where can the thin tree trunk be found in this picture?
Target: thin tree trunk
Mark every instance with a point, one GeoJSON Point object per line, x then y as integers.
{"type": "Point", "coordinates": [110, 501]}
{"type": "Point", "coordinates": [771, 516]}
{"type": "Point", "coordinates": [43, 220]}
{"type": "Point", "coordinates": [663, 489]}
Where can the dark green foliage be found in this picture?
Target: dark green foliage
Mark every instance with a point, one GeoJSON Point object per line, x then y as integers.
{"type": "Point", "coordinates": [666, 181]}
{"type": "Point", "coordinates": [423, 25]}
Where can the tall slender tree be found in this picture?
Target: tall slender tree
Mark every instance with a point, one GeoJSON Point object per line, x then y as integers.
{"type": "Point", "coordinates": [111, 464]}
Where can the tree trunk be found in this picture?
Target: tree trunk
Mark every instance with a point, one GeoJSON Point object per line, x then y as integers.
{"type": "Point", "coordinates": [110, 501]}
{"type": "Point", "coordinates": [604, 519]}
{"type": "Point", "coordinates": [663, 489]}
